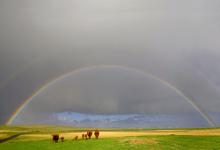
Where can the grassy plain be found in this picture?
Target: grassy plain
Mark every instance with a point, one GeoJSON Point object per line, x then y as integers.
{"type": "Point", "coordinates": [39, 137]}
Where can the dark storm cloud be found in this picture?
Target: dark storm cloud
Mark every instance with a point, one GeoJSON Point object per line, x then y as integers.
{"type": "Point", "coordinates": [177, 41]}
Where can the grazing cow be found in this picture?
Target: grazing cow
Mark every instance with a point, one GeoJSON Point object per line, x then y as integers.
{"type": "Point", "coordinates": [83, 136]}
{"type": "Point", "coordinates": [96, 133]}
{"type": "Point", "coordinates": [89, 134]}
{"type": "Point", "coordinates": [62, 139]}
{"type": "Point", "coordinates": [55, 137]}
{"type": "Point", "coordinates": [76, 138]}
{"type": "Point", "coordinates": [86, 136]}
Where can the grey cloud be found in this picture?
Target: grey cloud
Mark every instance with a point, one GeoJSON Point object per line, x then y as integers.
{"type": "Point", "coordinates": [176, 41]}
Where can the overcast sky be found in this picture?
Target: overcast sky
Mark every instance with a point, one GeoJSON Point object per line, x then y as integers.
{"type": "Point", "coordinates": [177, 41]}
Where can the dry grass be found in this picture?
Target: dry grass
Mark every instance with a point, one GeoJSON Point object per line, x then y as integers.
{"type": "Point", "coordinates": [111, 134]}
{"type": "Point", "coordinates": [139, 141]}
{"type": "Point", "coordinates": [10, 131]}
{"type": "Point", "coordinates": [3, 136]}
{"type": "Point", "coordinates": [150, 141]}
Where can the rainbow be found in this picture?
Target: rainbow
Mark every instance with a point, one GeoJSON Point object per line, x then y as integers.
{"type": "Point", "coordinates": [167, 84]}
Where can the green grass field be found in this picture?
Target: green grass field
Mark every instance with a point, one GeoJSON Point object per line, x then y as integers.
{"type": "Point", "coordinates": [152, 142]}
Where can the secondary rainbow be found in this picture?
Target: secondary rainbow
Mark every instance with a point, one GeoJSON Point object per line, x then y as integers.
{"type": "Point", "coordinates": [167, 84]}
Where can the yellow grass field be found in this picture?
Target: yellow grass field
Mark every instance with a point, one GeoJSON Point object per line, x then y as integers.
{"type": "Point", "coordinates": [112, 134]}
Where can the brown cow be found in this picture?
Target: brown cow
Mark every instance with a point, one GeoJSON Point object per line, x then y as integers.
{"type": "Point", "coordinates": [55, 137]}
{"type": "Point", "coordinates": [76, 138]}
{"type": "Point", "coordinates": [62, 139]}
{"type": "Point", "coordinates": [96, 133]}
{"type": "Point", "coordinates": [86, 136]}
{"type": "Point", "coordinates": [89, 134]}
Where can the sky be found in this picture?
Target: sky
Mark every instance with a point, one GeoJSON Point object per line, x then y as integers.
{"type": "Point", "coordinates": [176, 41]}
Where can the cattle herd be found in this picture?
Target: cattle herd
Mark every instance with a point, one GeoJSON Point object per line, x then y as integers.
{"type": "Point", "coordinates": [87, 135]}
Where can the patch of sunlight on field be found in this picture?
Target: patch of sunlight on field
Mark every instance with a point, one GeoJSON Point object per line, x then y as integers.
{"type": "Point", "coordinates": [3, 135]}
{"type": "Point", "coordinates": [10, 131]}
{"type": "Point", "coordinates": [112, 134]}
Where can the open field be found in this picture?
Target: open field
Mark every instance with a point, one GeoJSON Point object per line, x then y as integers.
{"type": "Point", "coordinates": [39, 137]}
